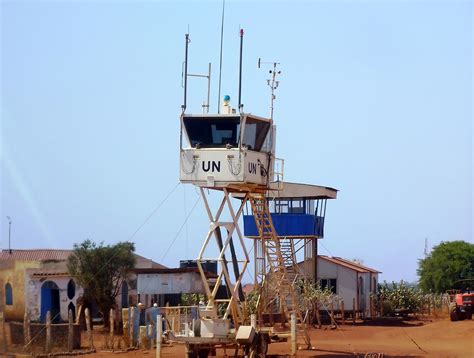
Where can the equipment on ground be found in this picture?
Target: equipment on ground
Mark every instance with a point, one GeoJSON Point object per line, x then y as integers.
{"type": "Point", "coordinates": [461, 305]}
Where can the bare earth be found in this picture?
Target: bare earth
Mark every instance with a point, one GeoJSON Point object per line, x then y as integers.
{"type": "Point", "coordinates": [438, 338]}
{"type": "Point", "coordinates": [415, 338]}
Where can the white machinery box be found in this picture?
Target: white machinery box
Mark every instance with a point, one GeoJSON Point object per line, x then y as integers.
{"type": "Point", "coordinates": [215, 327]}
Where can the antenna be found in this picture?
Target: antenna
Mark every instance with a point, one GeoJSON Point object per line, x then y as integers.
{"type": "Point", "coordinates": [272, 83]}
{"type": "Point", "coordinates": [183, 107]}
{"type": "Point", "coordinates": [426, 247]}
{"type": "Point", "coordinates": [184, 79]}
{"type": "Point", "coordinates": [240, 69]}
{"type": "Point", "coordinates": [220, 59]}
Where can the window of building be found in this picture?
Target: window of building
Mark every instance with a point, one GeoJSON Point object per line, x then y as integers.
{"type": "Point", "coordinates": [71, 289]}
{"type": "Point", "coordinates": [8, 294]}
{"type": "Point", "coordinates": [329, 283]}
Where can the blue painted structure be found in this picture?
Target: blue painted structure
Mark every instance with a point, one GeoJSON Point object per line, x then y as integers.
{"type": "Point", "coordinates": [50, 301]}
{"type": "Point", "coordinates": [289, 225]}
{"type": "Point", "coordinates": [293, 217]}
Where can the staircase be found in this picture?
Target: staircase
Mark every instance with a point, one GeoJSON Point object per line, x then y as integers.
{"type": "Point", "coordinates": [281, 269]}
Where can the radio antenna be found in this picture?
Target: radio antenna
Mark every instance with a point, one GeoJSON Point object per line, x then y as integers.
{"type": "Point", "coordinates": [240, 70]}
{"type": "Point", "coordinates": [220, 59]}
{"type": "Point", "coordinates": [272, 83]}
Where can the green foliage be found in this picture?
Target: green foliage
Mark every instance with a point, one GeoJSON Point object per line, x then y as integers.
{"type": "Point", "coordinates": [450, 265]}
{"type": "Point", "coordinates": [399, 296]}
{"type": "Point", "coordinates": [313, 294]}
{"type": "Point", "coordinates": [192, 299]}
{"type": "Point", "coordinates": [252, 300]}
{"type": "Point", "coordinates": [101, 270]}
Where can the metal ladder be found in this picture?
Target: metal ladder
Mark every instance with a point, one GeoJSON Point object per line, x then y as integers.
{"type": "Point", "coordinates": [282, 270]}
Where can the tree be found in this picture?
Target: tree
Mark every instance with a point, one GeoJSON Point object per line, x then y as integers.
{"type": "Point", "coordinates": [101, 270]}
{"type": "Point", "coordinates": [450, 265]}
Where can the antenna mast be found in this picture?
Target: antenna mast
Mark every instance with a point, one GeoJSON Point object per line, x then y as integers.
{"type": "Point", "coordinates": [220, 60]}
{"type": "Point", "coordinates": [272, 83]}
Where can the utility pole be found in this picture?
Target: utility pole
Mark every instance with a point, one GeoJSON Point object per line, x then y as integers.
{"type": "Point", "coordinates": [9, 234]}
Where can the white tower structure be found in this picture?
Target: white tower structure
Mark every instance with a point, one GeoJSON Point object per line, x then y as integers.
{"type": "Point", "coordinates": [233, 153]}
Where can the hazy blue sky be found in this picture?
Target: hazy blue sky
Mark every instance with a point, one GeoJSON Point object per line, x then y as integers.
{"type": "Point", "coordinates": [375, 100]}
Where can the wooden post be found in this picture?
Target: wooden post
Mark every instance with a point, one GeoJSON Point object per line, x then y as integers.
{"type": "Point", "coordinates": [70, 332]}
{"type": "Point", "coordinates": [88, 327]}
{"type": "Point", "coordinates": [381, 306]}
{"type": "Point", "coordinates": [343, 313]}
{"type": "Point", "coordinates": [125, 331]}
{"type": "Point", "coordinates": [371, 309]}
{"type": "Point", "coordinates": [4, 332]}
{"type": "Point", "coordinates": [331, 314]}
{"type": "Point", "coordinates": [48, 332]}
{"type": "Point", "coordinates": [112, 327]}
{"type": "Point", "coordinates": [159, 326]}
{"type": "Point", "coordinates": [131, 325]}
{"type": "Point", "coordinates": [253, 321]}
{"type": "Point", "coordinates": [293, 335]}
{"type": "Point", "coordinates": [27, 329]}
{"type": "Point", "coordinates": [353, 310]}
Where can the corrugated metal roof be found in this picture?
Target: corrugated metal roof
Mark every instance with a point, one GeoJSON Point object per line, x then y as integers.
{"type": "Point", "coordinates": [35, 255]}
{"type": "Point", "coordinates": [348, 264]}
{"type": "Point", "coordinates": [357, 264]}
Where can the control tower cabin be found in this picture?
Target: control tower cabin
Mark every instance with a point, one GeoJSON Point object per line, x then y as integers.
{"type": "Point", "coordinates": [232, 151]}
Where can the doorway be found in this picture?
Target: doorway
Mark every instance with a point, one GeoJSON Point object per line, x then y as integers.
{"type": "Point", "coordinates": [50, 301]}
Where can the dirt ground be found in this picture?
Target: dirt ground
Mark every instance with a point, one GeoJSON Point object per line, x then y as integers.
{"type": "Point", "coordinates": [415, 338]}
{"type": "Point", "coordinates": [392, 338]}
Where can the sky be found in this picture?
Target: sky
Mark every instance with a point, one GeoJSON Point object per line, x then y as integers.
{"type": "Point", "coordinates": [375, 99]}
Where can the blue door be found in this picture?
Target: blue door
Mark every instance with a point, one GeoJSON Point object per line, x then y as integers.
{"type": "Point", "coordinates": [50, 301]}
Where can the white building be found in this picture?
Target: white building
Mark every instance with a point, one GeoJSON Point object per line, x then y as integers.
{"type": "Point", "coordinates": [349, 280]}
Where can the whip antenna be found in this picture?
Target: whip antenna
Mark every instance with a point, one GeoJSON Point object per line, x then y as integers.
{"type": "Point", "coordinates": [220, 59]}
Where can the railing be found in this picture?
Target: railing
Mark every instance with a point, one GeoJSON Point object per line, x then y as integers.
{"type": "Point", "coordinates": [278, 172]}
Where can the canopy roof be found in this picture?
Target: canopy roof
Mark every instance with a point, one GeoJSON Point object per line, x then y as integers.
{"type": "Point", "coordinates": [297, 191]}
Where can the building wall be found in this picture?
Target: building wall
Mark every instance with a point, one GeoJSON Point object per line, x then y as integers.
{"type": "Point", "coordinates": [13, 272]}
{"type": "Point", "coordinates": [170, 283]}
{"type": "Point", "coordinates": [34, 285]}
{"type": "Point", "coordinates": [346, 281]}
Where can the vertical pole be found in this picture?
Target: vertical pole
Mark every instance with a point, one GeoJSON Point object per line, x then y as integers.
{"type": "Point", "coordinates": [89, 329]}
{"type": "Point", "coordinates": [70, 332]}
{"type": "Point", "coordinates": [208, 89]}
{"type": "Point", "coordinates": [126, 332]}
{"type": "Point", "coordinates": [381, 306]}
{"type": "Point", "coordinates": [220, 59]}
{"type": "Point", "coordinates": [371, 305]}
{"type": "Point", "coordinates": [293, 334]}
{"type": "Point", "coordinates": [48, 332]}
{"type": "Point", "coordinates": [159, 328]}
{"type": "Point", "coordinates": [331, 314]}
{"type": "Point", "coordinates": [4, 333]}
{"type": "Point", "coordinates": [253, 321]}
{"type": "Point", "coordinates": [240, 68]}
{"type": "Point", "coordinates": [343, 313]}
{"type": "Point", "coordinates": [353, 310]}
{"type": "Point", "coordinates": [112, 327]}
{"type": "Point", "coordinates": [9, 236]}
{"type": "Point", "coordinates": [185, 72]}
{"type": "Point", "coordinates": [318, 317]}
{"type": "Point", "coordinates": [131, 326]}
{"type": "Point", "coordinates": [26, 329]}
